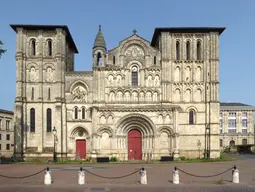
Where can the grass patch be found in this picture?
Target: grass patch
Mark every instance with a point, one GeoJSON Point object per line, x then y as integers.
{"type": "Point", "coordinates": [219, 182]}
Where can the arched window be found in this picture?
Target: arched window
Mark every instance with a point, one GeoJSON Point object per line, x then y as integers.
{"type": "Point", "coordinates": [32, 94]}
{"type": "Point", "coordinates": [32, 120]}
{"type": "Point", "coordinates": [221, 142]}
{"type": "Point", "coordinates": [83, 113]}
{"type": "Point", "coordinates": [134, 77]}
{"type": "Point", "coordinates": [155, 60]}
{"type": "Point", "coordinates": [177, 50]}
{"type": "Point", "coordinates": [187, 50]}
{"type": "Point", "coordinates": [76, 113]}
{"type": "Point", "coordinates": [49, 47]}
{"type": "Point", "coordinates": [49, 120]}
{"type": "Point", "coordinates": [33, 47]}
{"type": "Point", "coordinates": [191, 117]}
{"type": "Point", "coordinates": [113, 60]}
{"type": "Point", "coordinates": [199, 50]}
{"type": "Point", "coordinates": [99, 60]}
{"type": "Point", "coordinates": [49, 94]}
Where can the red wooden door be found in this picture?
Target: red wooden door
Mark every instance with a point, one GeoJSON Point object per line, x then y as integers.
{"type": "Point", "coordinates": [134, 145]}
{"type": "Point", "coordinates": [81, 149]}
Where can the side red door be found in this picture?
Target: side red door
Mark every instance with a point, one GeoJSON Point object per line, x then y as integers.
{"type": "Point", "coordinates": [134, 145]}
{"type": "Point", "coordinates": [81, 149]}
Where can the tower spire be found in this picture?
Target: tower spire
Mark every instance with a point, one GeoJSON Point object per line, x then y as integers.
{"type": "Point", "coordinates": [99, 41]}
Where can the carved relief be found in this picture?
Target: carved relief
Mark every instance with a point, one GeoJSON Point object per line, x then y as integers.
{"type": "Point", "coordinates": [149, 81]}
{"type": "Point", "coordinates": [141, 96]}
{"type": "Point", "coordinates": [148, 96]}
{"type": "Point", "coordinates": [160, 119]}
{"type": "Point", "coordinates": [110, 119]}
{"type": "Point", "coordinates": [156, 81]}
{"type": "Point", "coordinates": [79, 94]}
{"type": "Point", "coordinates": [102, 119]}
{"type": "Point", "coordinates": [33, 74]}
{"type": "Point", "coordinates": [155, 96]}
{"type": "Point", "coordinates": [134, 52]}
{"type": "Point", "coordinates": [110, 80]}
{"type": "Point", "coordinates": [127, 96]}
{"type": "Point", "coordinates": [119, 80]}
{"type": "Point", "coordinates": [135, 96]}
{"type": "Point", "coordinates": [119, 96]}
{"type": "Point", "coordinates": [49, 74]}
{"type": "Point", "coordinates": [112, 96]}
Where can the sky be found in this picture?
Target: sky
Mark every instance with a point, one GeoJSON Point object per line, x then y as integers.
{"type": "Point", "coordinates": [119, 18]}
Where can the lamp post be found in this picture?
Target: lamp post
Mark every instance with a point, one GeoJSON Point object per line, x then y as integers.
{"type": "Point", "coordinates": [54, 152]}
{"type": "Point", "coordinates": [199, 146]}
{"type": "Point", "coordinates": [208, 142]}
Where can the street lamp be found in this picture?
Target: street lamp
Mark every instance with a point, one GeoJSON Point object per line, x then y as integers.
{"type": "Point", "coordinates": [208, 143]}
{"type": "Point", "coordinates": [199, 146]}
{"type": "Point", "coordinates": [54, 131]}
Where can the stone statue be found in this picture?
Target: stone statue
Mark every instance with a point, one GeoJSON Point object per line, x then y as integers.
{"type": "Point", "coordinates": [79, 95]}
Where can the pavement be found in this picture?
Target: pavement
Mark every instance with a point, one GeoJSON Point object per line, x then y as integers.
{"type": "Point", "coordinates": [65, 177]}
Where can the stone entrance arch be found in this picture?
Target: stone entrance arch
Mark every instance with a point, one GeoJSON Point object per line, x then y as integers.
{"type": "Point", "coordinates": [140, 129]}
{"type": "Point", "coordinates": [79, 142]}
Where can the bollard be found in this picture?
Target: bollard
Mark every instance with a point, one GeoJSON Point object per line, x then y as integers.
{"type": "Point", "coordinates": [143, 174]}
{"type": "Point", "coordinates": [175, 176]}
{"type": "Point", "coordinates": [81, 177]}
{"type": "Point", "coordinates": [235, 174]}
{"type": "Point", "coordinates": [47, 177]}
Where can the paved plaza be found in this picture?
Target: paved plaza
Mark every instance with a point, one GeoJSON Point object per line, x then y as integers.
{"type": "Point", "coordinates": [65, 177]}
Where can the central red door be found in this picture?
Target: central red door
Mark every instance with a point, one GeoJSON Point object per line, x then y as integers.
{"type": "Point", "coordinates": [134, 145]}
{"type": "Point", "coordinates": [81, 149]}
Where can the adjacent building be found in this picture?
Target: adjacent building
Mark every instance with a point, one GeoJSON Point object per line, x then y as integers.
{"type": "Point", "coordinates": [157, 98]}
{"type": "Point", "coordinates": [236, 124]}
{"type": "Point", "coordinates": [6, 133]}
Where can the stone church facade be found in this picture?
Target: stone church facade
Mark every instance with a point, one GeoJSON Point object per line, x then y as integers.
{"type": "Point", "coordinates": [141, 98]}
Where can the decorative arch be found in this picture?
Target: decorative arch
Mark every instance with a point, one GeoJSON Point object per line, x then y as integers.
{"type": "Point", "coordinates": [30, 65]}
{"type": "Point", "coordinates": [199, 49]}
{"type": "Point", "coordinates": [76, 130]}
{"type": "Point", "coordinates": [132, 42]}
{"type": "Point", "coordinates": [77, 83]}
{"type": "Point", "coordinates": [135, 121]}
{"type": "Point", "coordinates": [47, 65]}
{"type": "Point", "coordinates": [166, 129]}
{"type": "Point", "coordinates": [105, 129]}
{"type": "Point", "coordinates": [191, 108]}
{"type": "Point", "coordinates": [187, 95]}
{"type": "Point", "coordinates": [134, 63]}
{"type": "Point", "coordinates": [177, 94]}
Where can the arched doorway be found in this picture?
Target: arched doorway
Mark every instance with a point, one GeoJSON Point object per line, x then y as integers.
{"type": "Point", "coordinates": [134, 145]}
{"type": "Point", "coordinates": [80, 149]}
{"type": "Point", "coordinates": [232, 144]}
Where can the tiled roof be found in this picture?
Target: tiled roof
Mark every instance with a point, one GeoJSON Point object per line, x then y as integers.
{"type": "Point", "coordinates": [6, 111]}
{"type": "Point", "coordinates": [232, 106]}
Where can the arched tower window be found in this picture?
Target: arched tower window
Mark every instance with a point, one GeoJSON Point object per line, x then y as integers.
{"type": "Point", "coordinates": [32, 94]}
{"type": "Point", "coordinates": [49, 94]}
{"type": "Point", "coordinates": [76, 113]}
{"type": "Point", "coordinates": [32, 120]}
{"type": "Point", "coordinates": [113, 60]}
{"type": "Point", "coordinates": [49, 47]}
{"type": "Point", "coordinates": [49, 120]}
{"type": "Point", "coordinates": [33, 47]}
{"type": "Point", "coordinates": [187, 50]}
{"type": "Point", "coordinates": [99, 60]}
{"type": "Point", "coordinates": [199, 50]}
{"type": "Point", "coordinates": [134, 76]}
{"type": "Point", "coordinates": [155, 60]}
{"type": "Point", "coordinates": [191, 117]}
{"type": "Point", "coordinates": [83, 113]}
{"type": "Point", "coordinates": [177, 50]}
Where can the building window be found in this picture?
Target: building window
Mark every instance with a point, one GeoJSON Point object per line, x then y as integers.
{"type": "Point", "coordinates": [221, 131]}
{"type": "Point", "coordinates": [49, 120]}
{"type": "Point", "coordinates": [244, 142]}
{"type": "Point", "coordinates": [0, 147]}
{"type": "Point", "coordinates": [177, 50]}
{"type": "Point", "coordinates": [76, 113]}
{"type": "Point", "coordinates": [232, 123]}
{"type": "Point", "coordinates": [49, 94]}
{"type": "Point", "coordinates": [134, 77]}
{"type": "Point", "coordinates": [221, 123]}
{"type": "Point", "coordinates": [244, 131]}
{"type": "Point", "coordinates": [32, 95]}
{"type": "Point", "coordinates": [49, 47]}
{"type": "Point", "coordinates": [99, 60]}
{"type": "Point", "coordinates": [0, 136]}
{"type": "Point", "coordinates": [8, 125]}
{"type": "Point", "coordinates": [8, 137]}
{"type": "Point", "coordinates": [32, 120]}
{"type": "Point", "coordinates": [33, 47]}
{"type": "Point", "coordinates": [245, 115]}
{"type": "Point", "coordinates": [83, 113]}
{"type": "Point", "coordinates": [244, 123]}
{"type": "Point", "coordinates": [155, 60]}
{"type": "Point", "coordinates": [113, 60]}
{"type": "Point", "coordinates": [187, 50]}
{"type": "Point", "coordinates": [221, 142]}
{"type": "Point", "coordinates": [199, 50]}
{"type": "Point", "coordinates": [0, 124]}
{"type": "Point", "coordinates": [7, 146]}
{"type": "Point", "coordinates": [191, 117]}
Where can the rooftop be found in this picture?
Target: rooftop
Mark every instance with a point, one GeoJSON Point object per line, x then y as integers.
{"type": "Point", "coordinates": [48, 27]}
{"type": "Point", "coordinates": [157, 31]}
{"type": "Point", "coordinates": [233, 106]}
{"type": "Point", "coordinates": [6, 111]}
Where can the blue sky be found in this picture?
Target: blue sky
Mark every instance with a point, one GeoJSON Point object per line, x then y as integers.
{"type": "Point", "coordinates": [119, 18]}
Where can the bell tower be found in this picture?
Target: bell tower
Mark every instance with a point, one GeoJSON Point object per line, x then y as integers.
{"type": "Point", "coordinates": [99, 50]}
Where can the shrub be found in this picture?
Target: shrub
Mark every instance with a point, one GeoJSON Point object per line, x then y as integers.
{"type": "Point", "coordinates": [113, 159]}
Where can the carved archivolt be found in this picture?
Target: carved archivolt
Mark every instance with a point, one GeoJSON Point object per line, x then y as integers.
{"type": "Point", "coordinates": [106, 118]}
{"type": "Point", "coordinates": [153, 80]}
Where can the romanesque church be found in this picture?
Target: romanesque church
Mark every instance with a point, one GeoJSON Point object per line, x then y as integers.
{"type": "Point", "coordinates": [142, 98]}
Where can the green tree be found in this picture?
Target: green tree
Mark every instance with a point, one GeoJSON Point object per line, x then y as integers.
{"type": "Point", "coordinates": [1, 50]}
